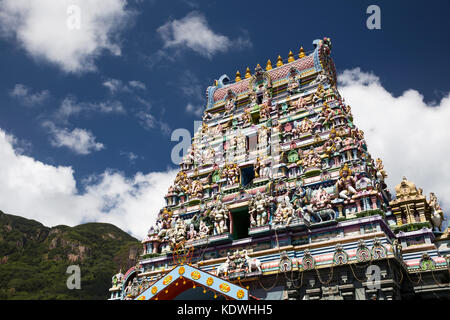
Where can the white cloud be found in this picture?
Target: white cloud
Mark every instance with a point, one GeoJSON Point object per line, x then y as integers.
{"type": "Point", "coordinates": [70, 107]}
{"type": "Point", "coordinates": [195, 110]}
{"type": "Point", "coordinates": [78, 140]}
{"type": "Point", "coordinates": [193, 32]}
{"type": "Point", "coordinates": [149, 121]}
{"type": "Point", "coordinates": [409, 135]}
{"type": "Point", "coordinates": [49, 194]}
{"type": "Point", "coordinates": [26, 97]}
{"type": "Point", "coordinates": [115, 85]}
{"type": "Point", "coordinates": [41, 28]}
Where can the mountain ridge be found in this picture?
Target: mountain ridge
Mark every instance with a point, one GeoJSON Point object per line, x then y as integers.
{"type": "Point", "coordinates": [34, 258]}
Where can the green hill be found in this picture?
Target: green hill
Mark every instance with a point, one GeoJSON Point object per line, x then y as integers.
{"type": "Point", "coordinates": [34, 258]}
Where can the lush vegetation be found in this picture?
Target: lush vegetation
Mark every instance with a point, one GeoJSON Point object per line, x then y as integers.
{"type": "Point", "coordinates": [34, 258]}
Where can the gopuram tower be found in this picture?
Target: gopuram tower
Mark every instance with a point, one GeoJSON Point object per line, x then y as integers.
{"type": "Point", "coordinates": [279, 198]}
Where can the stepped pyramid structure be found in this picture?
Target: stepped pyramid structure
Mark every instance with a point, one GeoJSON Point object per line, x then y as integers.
{"type": "Point", "coordinates": [279, 198]}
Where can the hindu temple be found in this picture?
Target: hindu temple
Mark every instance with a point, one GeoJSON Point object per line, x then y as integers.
{"type": "Point", "coordinates": [279, 198]}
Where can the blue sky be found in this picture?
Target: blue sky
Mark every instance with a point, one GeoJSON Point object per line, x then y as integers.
{"type": "Point", "coordinates": [113, 109]}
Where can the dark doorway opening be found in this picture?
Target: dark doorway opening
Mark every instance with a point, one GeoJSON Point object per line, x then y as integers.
{"type": "Point", "coordinates": [247, 175]}
{"type": "Point", "coordinates": [241, 223]}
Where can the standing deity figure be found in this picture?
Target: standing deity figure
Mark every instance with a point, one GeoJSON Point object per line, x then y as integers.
{"type": "Point", "coordinates": [257, 168]}
{"type": "Point", "coordinates": [258, 210]}
{"type": "Point", "coordinates": [284, 213]}
{"type": "Point", "coordinates": [359, 138]}
{"type": "Point", "coordinates": [241, 143]}
{"type": "Point", "coordinates": [346, 184]}
{"type": "Point", "coordinates": [299, 200]}
{"type": "Point", "coordinates": [263, 136]}
{"type": "Point", "coordinates": [437, 214]}
{"type": "Point", "coordinates": [246, 117]}
{"type": "Point", "coordinates": [220, 215]}
{"type": "Point", "coordinates": [179, 231]}
{"type": "Point", "coordinates": [381, 173]}
{"type": "Point", "coordinates": [265, 170]}
{"type": "Point", "coordinates": [292, 82]}
{"type": "Point", "coordinates": [191, 234]}
{"type": "Point", "coordinates": [164, 223]}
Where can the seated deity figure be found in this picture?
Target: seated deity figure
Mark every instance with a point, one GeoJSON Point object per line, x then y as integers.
{"type": "Point", "coordinates": [284, 213]}
{"type": "Point", "coordinates": [306, 126]}
{"type": "Point", "coordinates": [310, 159]}
{"type": "Point", "coordinates": [321, 200]}
{"type": "Point", "coordinates": [220, 215]}
{"type": "Point", "coordinates": [208, 156]}
{"type": "Point", "coordinates": [196, 189]}
{"type": "Point", "coordinates": [164, 223]}
{"type": "Point", "coordinates": [192, 233]}
{"type": "Point", "coordinates": [203, 230]}
{"type": "Point", "coordinates": [301, 103]}
{"type": "Point", "coordinates": [181, 182]}
{"type": "Point", "coordinates": [333, 144]}
{"type": "Point", "coordinates": [346, 184]}
{"type": "Point", "coordinates": [258, 210]}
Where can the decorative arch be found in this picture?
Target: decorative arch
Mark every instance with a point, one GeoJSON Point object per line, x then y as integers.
{"type": "Point", "coordinates": [185, 277]}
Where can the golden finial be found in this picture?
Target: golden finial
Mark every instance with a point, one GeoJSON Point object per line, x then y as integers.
{"type": "Point", "coordinates": [279, 61]}
{"type": "Point", "coordinates": [247, 73]}
{"type": "Point", "coordinates": [291, 57]}
{"type": "Point", "coordinates": [269, 65]}
{"type": "Point", "coordinates": [302, 53]}
{"type": "Point", "coordinates": [258, 66]}
{"type": "Point", "coordinates": [238, 76]}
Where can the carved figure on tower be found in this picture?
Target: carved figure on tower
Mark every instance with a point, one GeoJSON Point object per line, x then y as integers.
{"type": "Point", "coordinates": [220, 215]}
{"type": "Point", "coordinates": [258, 210]}
{"type": "Point", "coordinates": [346, 184]}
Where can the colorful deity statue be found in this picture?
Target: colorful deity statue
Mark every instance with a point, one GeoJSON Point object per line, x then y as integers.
{"type": "Point", "coordinates": [284, 213]}
{"type": "Point", "coordinates": [310, 159]}
{"type": "Point", "coordinates": [196, 189]}
{"type": "Point", "coordinates": [293, 84]}
{"type": "Point", "coordinates": [358, 135]}
{"type": "Point", "coordinates": [179, 234]}
{"type": "Point", "coordinates": [318, 94]}
{"type": "Point", "coordinates": [208, 156]}
{"type": "Point", "coordinates": [230, 103]}
{"type": "Point", "coordinates": [333, 144]}
{"type": "Point", "coordinates": [301, 103]}
{"type": "Point", "coordinates": [306, 126]}
{"type": "Point", "coordinates": [231, 173]}
{"type": "Point", "coordinates": [181, 182]}
{"type": "Point", "coordinates": [241, 142]}
{"type": "Point", "coordinates": [246, 117]}
{"type": "Point", "coordinates": [220, 215]}
{"type": "Point", "coordinates": [346, 184]}
{"type": "Point", "coordinates": [437, 214]}
{"type": "Point", "coordinates": [381, 173]}
{"type": "Point", "coordinates": [299, 200]}
{"type": "Point", "coordinates": [263, 136]}
{"type": "Point", "coordinates": [258, 210]}
{"type": "Point", "coordinates": [321, 200]}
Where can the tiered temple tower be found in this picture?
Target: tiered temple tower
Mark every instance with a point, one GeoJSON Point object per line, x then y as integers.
{"type": "Point", "coordinates": [279, 198]}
